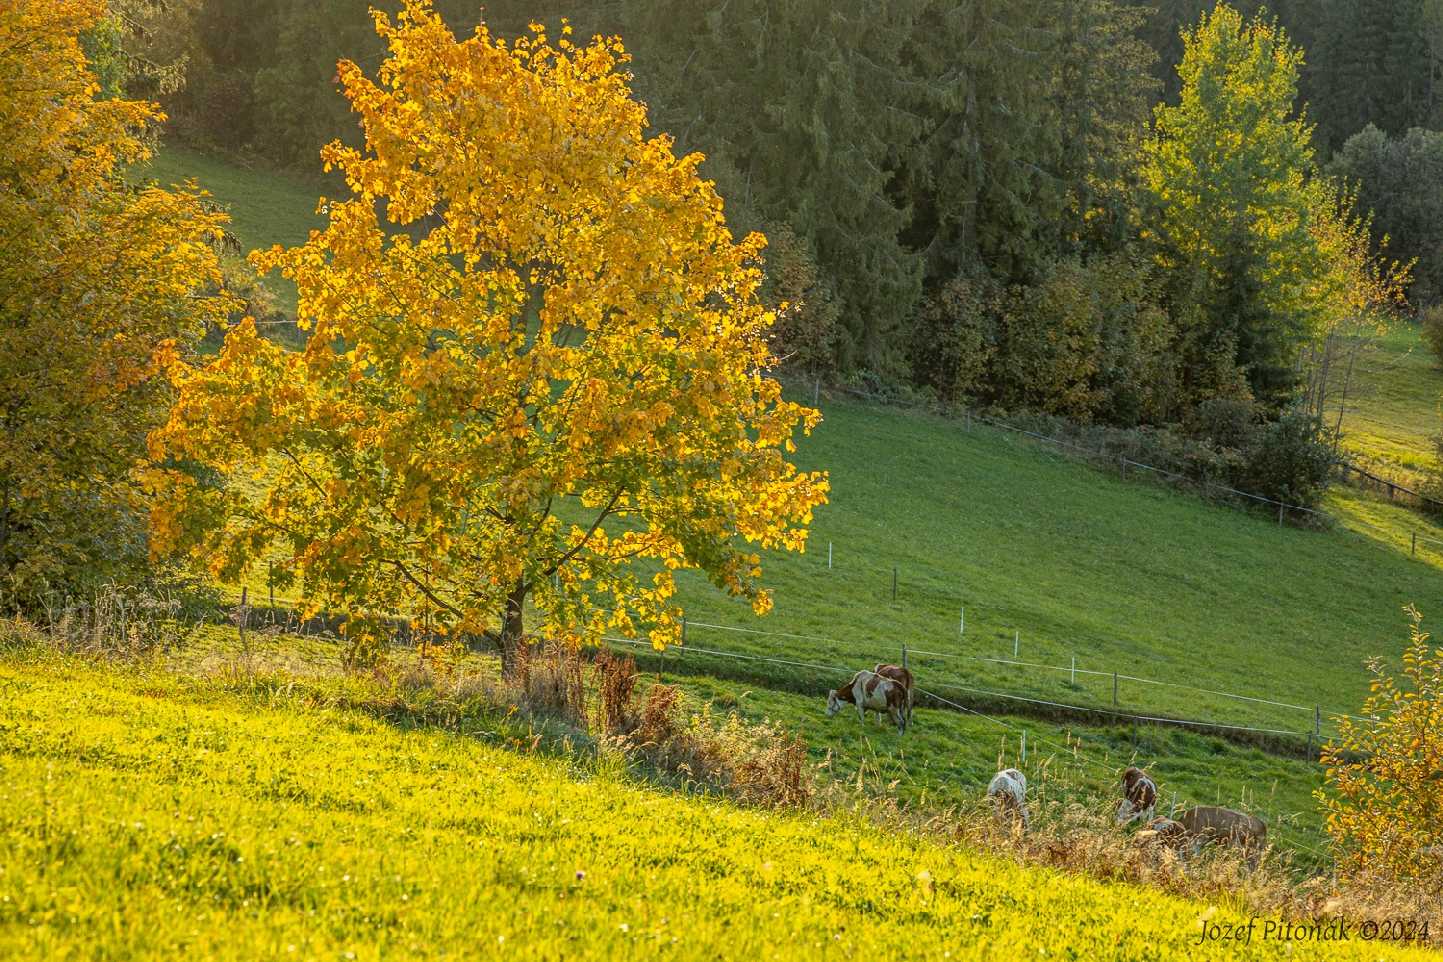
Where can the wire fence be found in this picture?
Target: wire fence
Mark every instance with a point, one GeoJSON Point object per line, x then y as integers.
{"type": "Point", "coordinates": [1316, 712]}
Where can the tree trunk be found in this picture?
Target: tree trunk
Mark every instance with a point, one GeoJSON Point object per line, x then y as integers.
{"type": "Point", "coordinates": [513, 626]}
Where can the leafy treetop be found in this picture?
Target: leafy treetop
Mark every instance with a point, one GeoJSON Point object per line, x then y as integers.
{"type": "Point", "coordinates": [537, 369]}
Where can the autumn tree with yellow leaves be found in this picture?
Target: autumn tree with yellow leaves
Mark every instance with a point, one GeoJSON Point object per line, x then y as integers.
{"type": "Point", "coordinates": [1384, 794]}
{"type": "Point", "coordinates": [536, 379]}
{"type": "Point", "coordinates": [101, 282]}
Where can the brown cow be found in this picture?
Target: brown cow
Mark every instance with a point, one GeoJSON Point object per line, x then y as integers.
{"type": "Point", "coordinates": [1139, 796]}
{"type": "Point", "coordinates": [871, 691]}
{"type": "Point", "coordinates": [1206, 824]}
{"type": "Point", "coordinates": [904, 678]}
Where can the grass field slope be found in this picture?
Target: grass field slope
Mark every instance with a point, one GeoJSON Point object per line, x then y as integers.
{"type": "Point", "coordinates": [148, 816]}
{"type": "Point", "coordinates": [1063, 563]}
{"type": "Point", "coordinates": [1393, 413]}
{"type": "Point", "coordinates": [1122, 576]}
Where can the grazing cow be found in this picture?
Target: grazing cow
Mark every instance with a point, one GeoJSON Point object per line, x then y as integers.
{"type": "Point", "coordinates": [1139, 796]}
{"type": "Point", "coordinates": [1209, 823]}
{"type": "Point", "coordinates": [1008, 791]}
{"type": "Point", "coordinates": [904, 678]}
{"type": "Point", "coordinates": [871, 691]}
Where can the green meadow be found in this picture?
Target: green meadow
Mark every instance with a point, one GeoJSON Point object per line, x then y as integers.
{"type": "Point", "coordinates": [1059, 561]}
{"type": "Point", "coordinates": [148, 814]}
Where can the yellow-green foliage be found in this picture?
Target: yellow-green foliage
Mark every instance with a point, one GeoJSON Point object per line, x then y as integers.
{"type": "Point", "coordinates": [1384, 781]}
{"type": "Point", "coordinates": [143, 816]}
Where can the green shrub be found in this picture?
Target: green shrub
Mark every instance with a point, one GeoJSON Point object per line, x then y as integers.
{"type": "Point", "coordinates": [805, 336]}
{"type": "Point", "coordinates": [1224, 423]}
{"type": "Point", "coordinates": [952, 338]}
{"type": "Point", "coordinates": [1291, 460]}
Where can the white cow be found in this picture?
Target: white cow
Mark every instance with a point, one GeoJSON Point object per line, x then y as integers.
{"type": "Point", "coordinates": [1008, 791]}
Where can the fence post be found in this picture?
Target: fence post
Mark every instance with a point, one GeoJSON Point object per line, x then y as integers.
{"type": "Point", "coordinates": [962, 621]}
{"type": "Point", "coordinates": [1024, 746]}
{"type": "Point", "coordinates": [1280, 515]}
{"type": "Point", "coordinates": [817, 393]}
{"type": "Point", "coordinates": [1114, 689]}
{"type": "Point", "coordinates": [1415, 543]}
{"type": "Point", "coordinates": [904, 654]}
{"type": "Point", "coordinates": [683, 629]}
{"type": "Point", "coordinates": [1074, 671]}
{"type": "Point", "coordinates": [271, 581]}
{"type": "Point", "coordinates": [1016, 642]}
{"type": "Point", "coordinates": [243, 614]}
{"type": "Point", "coordinates": [829, 556]}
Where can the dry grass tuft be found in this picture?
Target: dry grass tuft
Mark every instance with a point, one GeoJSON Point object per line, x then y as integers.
{"type": "Point", "coordinates": [551, 682]}
{"type": "Point", "coordinates": [616, 692]}
{"type": "Point", "coordinates": [762, 765]}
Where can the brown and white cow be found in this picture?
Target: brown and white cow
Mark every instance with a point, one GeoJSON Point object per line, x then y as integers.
{"type": "Point", "coordinates": [870, 691]}
{"type": "Point", "coordinates": [1008, 791]}
{"type": "Point", "coordinates": [1210, 823]}
{"type": "Point", "coordinates": [1139, 796]}
{"type": "Point", "coordinates": [904, 678]}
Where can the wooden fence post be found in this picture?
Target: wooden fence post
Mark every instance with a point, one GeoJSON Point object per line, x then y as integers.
{"type": "Point", "coordinates": [243, 614]}
{"type": "Point", "coordinates": [1114, 689]}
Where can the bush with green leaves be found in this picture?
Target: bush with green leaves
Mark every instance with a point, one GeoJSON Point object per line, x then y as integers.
{"type": "Point", "coordinates": [1291, 459]}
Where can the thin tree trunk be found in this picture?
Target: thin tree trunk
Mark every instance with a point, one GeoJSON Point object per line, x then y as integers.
{"type": "Point", "coordinates": [4, 522]}
{"type": "Point", "coordinates": [513, 626]}
{"type": "Point", "coordinates": [1343, 403]}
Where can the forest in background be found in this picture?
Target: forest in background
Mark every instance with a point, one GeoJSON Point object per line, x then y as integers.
{"type": "Point", "coordinates": [1183, 219]}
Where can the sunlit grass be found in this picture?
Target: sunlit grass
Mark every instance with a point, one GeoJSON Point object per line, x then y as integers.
{"type": "Point", "coordinates": [1393, 409]}
{"type": "Point", "coordinates": [148, 815]}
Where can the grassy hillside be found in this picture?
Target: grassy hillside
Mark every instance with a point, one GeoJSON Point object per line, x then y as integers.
{"type": "Point", "coordinates": [1123, 575]}
{"type": "Point", "coordinates": [147, 816]}
{"type": "Point", "coordinates": [266, 208]}
{"type": "Point", "coordinates": [947, 758]}
{"type": "Point", "coordinates": [1076, 563]}
{"type": "Point", "coordinates": [1393, 413]}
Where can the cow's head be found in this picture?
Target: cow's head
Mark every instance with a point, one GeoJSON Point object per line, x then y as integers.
{"type": "Point", "coordinates": [834, 704]}
{"type": "Point", "coordinates": [1124, 812]}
